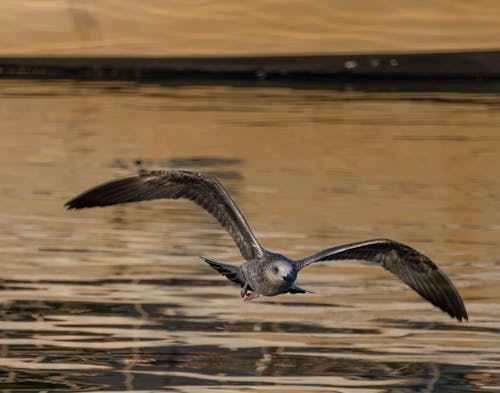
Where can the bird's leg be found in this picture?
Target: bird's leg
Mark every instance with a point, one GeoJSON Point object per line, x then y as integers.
{"type": "Point", "coordinates": [248, 293]}
{"type": "Point", "coordinates": [243, 290]}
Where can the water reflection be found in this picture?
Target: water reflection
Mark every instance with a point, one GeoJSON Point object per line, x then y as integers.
{"type": "Point", "coordinates": [117, 299]}
{"type": "Point", "coordinates": [129, 346]}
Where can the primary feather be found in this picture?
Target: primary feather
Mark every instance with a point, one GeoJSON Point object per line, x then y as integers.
{"type": "Point", "coordinates": [206, 191]}
{"type": "Point", "coordinates": [410, 266]}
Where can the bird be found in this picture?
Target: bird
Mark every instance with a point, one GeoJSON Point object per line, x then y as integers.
{"type": "Point", "coordinates": [265, 272]}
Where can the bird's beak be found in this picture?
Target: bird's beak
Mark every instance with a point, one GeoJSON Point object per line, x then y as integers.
{"type": "Point", "coordinates": [289, 278]}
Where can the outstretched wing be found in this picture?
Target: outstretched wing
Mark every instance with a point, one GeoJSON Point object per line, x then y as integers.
{"type": "Point", "coordinates": [410, 266]}
{"type": "Point", "coordinates": [205, 191]}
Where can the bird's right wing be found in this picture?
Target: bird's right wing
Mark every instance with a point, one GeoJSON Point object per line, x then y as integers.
{"type": "Point", "coordinates": [206, 191]}
{"type": "Point", "coordinates": [410, 266]}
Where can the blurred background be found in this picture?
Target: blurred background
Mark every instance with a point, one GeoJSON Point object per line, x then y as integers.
{"type": "Point", "coordinates": [329, 122]}
{"type": "Point", "coordinates": [131, 39]}
{"type": "Point", "coordinates": [262, 27]}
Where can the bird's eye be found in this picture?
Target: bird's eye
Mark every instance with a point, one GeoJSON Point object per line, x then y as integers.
{"type": "Point", "coordinates": [275, 270]}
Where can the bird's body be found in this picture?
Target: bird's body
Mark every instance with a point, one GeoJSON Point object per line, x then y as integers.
{"type": "Point", "coordinates": [264, 272]}
{"type": "Point", "coordinates": [279, 275]}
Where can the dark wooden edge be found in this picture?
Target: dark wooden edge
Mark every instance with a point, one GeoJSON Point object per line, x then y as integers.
{"type": "Point", "coordinates": [417, 65]}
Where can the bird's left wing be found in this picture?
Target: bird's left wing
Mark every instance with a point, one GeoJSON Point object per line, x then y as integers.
{"type": "Point", "coordinates": [410, 266]}
{"type": "Point", "coordinates": [231, 272]}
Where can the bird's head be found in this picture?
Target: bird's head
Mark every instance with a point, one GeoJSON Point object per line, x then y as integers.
{"type": "Point", "coordinates": [281, 273]}
{"type": "Point", "coordinates": [270, 277]}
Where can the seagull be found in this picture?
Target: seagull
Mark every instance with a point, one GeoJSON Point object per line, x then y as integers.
{"type": "Point", "coordinates": [264, 272]}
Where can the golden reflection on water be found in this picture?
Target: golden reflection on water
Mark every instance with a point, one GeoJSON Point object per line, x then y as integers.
{"type": "Point", "coordinates": [118, 299]}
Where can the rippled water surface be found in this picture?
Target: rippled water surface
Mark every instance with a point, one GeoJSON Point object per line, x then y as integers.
{"type": "Point", "coordinates": [116, 299]}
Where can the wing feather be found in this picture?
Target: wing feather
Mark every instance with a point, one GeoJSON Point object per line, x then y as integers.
{"type": "Point", "coordinates": [206, 191]}
{"type": "Point", "coordinates": [410, 266]}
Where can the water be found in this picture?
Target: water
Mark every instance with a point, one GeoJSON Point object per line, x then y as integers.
{"type": "Point", "coordinates": [117, 299]}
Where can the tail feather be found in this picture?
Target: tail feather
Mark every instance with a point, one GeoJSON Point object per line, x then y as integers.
{"type": "Point", "coordinates": [231, 272]}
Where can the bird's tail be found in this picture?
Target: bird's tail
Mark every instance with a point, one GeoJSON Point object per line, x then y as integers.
{"type": "Point", "coordinates": [231, 272]}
